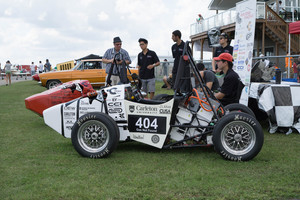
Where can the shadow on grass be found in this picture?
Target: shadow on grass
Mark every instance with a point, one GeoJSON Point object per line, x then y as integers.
{"type": "Point", "coordinates": [133, 146]}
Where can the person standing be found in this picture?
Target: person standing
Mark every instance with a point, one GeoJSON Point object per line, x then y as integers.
{"type": "Point", "coordinates": [7, 69]}
{"type": "Point", "coordinates": [119, 55]}
{"type": "Point", "coordinates": [47, 66]}
{"type": "Point", "coordinates": [165, 66]}
{"type": "Point", "coordinates": [225, 47]}
{"type": "Point", "coordinates": [147, 61]}
{"type": "Point", "coordinates": [32, 68]}
{"type": "Point", "coordinates": [177, 50]}
{"type": "Point", "coordinates": [229, 90]}
{"type": "Point", "coordinates": [41, 67]}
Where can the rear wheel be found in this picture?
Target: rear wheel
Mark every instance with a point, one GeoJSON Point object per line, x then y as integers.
{"type": "Point", "coordinates": [236, 107]}
{"type": "Point", "coordinates": [95, 135]}
{"type": "Point", "coordinates": [52, 84]}
{"type": "Point", "coordinates": [238, 137]}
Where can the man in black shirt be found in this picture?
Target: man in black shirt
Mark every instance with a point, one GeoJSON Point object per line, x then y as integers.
{"type": "Point", "coordinates": [209, 77]}
{"type": "Point", "coordinates": [224, 48]}
{"type": "Point", "coordinates": [229, 90]}
{"type": "Point", "coordinates": [177, 50]}
{"type": "Point", "coordinates": [147, 60]}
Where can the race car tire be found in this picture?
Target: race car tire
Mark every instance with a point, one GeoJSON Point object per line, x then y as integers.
{"type": "Point", "coordinates": [238, 136]}
{"type": "Point", "coordinates": [95, 135]}
{"type": "Point", "coordinates": [239, 108]}
{"type": "Point", "coordinates": [163, 97]}
{"type": "Point", "coordinates": [52, 84]}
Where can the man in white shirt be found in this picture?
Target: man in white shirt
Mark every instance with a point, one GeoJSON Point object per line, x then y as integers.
{"type": "Point", "coordinates": [41, 67]}
{"type": "Point", "coordinates": [32, 68]}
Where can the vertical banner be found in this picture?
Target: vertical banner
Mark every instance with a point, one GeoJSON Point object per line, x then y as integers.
{"type": "Point", "coordinates": [244, 42]}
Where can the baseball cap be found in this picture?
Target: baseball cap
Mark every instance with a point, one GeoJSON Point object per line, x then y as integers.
{"type": "Point", "coordinates": [224, 56]}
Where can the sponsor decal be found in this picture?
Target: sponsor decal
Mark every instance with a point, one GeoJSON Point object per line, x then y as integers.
{"type": "Point", "coordinates": [69, 108]}
{"type": "Point", "coordinates": [115, 104]}
{"type": "Point", "coordinates": [69, 114]}
{"type": "Point", "coordinates": [240, 67]}
{"type": "Point", "coordinates": [69, 122]}
{"type": "Point", "coordinates": [164, 111]}
{"type": "Point", "coordinates": [244, 118]}
{"type": "Point", "coordinates": [103, 153]}
{"type": "Point", "coordinates": [230, 157]}
{"type": "Point", "coordinates": [115, 110]}
{"type": "Point", "coordinates": [131, 108]}
{"type": "Point", "coordinates": [114, 91]}
{"type": "Point", "coordinates": [241, 62]}
{"type": "Point", "coordinates": [84, 103]}
{"type": "Point", "coordinates": [155, 139]}
{"type": "Point", "coordinates": [137, 137]}
{"type": "Point", "coordinates": [145, 109]}
{"type": "Point", "coordinates": [87, 117]}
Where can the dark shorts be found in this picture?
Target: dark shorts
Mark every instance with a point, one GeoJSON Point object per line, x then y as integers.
{"type": "Point", "coordinates": [148, 85]}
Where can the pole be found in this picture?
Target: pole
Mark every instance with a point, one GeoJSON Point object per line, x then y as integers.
{"type": "Point", "coordinates": [289, 59]}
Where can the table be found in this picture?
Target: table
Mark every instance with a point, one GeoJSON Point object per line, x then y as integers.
{"type": "Point", "coordinates": [21, 74]}
{"type": "Point", "coordinates": [281, 102]}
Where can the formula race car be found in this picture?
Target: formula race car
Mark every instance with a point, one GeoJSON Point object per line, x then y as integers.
{"type": "Point", "coordinates": [192, 117]}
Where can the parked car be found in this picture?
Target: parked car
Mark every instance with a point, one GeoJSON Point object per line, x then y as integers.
{"type": "Point", "coordinates": [90, 70]}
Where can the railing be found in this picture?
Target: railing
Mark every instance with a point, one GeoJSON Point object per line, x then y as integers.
{"type": "Point", "coordinates": [229, 16]}
{"type": "Point", "coordinates": [276, 24]}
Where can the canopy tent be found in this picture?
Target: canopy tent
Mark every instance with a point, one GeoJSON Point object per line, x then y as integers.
{"type": "Point", "coordinates": [91, 56]}
{"type": "Point", "coordinates": [294, 28]}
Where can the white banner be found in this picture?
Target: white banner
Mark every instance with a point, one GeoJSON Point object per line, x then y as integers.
{"type": "Point", "coordinates": [244, 42]}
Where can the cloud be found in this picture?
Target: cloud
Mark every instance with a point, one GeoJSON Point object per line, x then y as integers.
{"type": "Point", "coordinates": [64, 30]}
{"type": "Point", "coordinates": [103, 16]}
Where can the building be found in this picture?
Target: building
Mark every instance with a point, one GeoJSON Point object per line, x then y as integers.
{"type": "Point", "coordinates": [271, 32]}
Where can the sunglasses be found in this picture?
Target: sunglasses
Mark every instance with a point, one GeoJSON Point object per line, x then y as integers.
{"type": "Point", "coordinates": [119, 44]}
{"type": "Point", "coordinates": [221, 38]}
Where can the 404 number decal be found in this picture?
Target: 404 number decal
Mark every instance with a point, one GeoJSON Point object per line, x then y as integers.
{"type": "Point", "coordinates": [147, 124]}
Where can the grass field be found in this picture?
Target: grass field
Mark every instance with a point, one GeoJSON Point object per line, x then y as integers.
{"type": "Point", "coordinates": [38, 163]}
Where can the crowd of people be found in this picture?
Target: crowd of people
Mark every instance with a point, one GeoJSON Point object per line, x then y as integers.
{"type": "Point", "coordinates": [115, 58]}
{"type": "Point", "coordinates": [40, 68]}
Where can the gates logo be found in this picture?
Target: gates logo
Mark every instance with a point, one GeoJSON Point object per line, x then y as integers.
{"type": "Point", "coordinates": [131, 108]}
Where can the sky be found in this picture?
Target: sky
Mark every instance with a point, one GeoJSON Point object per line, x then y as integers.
{"type": "Point", "coordinates": [64, 30]}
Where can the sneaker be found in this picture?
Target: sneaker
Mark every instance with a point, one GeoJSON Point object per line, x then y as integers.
{"type": "Point", "coordinates": [289, 131]}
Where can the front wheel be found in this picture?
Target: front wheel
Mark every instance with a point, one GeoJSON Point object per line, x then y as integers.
{"type": "Point", "coordinates": [52, 84]}
{"type": "Point", "coordinates": [238, 137]}
{"type": "Point", "coordinates": [95, 135]}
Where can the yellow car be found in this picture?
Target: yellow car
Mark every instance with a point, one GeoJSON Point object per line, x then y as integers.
{"type": "Point", "coordinates": [90, 70]}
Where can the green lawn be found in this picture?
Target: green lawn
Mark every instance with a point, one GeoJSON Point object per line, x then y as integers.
{"type": "Point", "coordinates": [38, 163]}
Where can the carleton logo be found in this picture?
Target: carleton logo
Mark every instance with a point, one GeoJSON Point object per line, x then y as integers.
{"type": "Point", "coordinates": [131, 108]}
{"type": "Point", "coordinates": [146, 108]}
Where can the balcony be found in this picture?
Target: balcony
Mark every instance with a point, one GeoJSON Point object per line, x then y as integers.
{"type": "Point", "coordinates": [229, 17]}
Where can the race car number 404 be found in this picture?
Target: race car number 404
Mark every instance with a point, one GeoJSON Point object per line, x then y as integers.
{"type": "Point", "coordinates": [147, 124]}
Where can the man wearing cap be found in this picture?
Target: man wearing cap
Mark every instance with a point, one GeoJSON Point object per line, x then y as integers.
{"type": "Point", "coordinates": [229, 89]}
{"type": "Point", "coordinates": [119, 55]}
{"type": "Point", "coordinates": [147, 61]}
{"type": "Point", "coordinates": [224, 41]}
